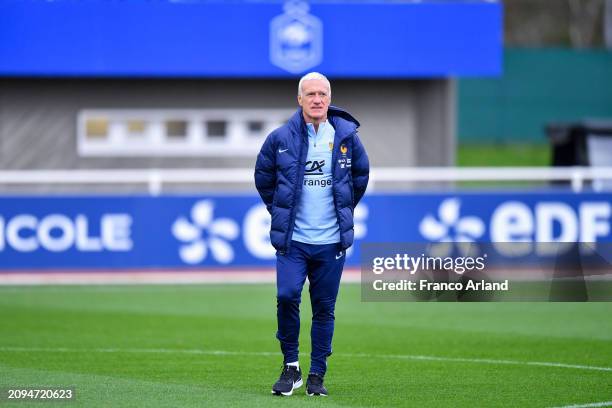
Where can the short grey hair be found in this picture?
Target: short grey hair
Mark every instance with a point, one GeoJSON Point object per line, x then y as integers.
{"type": "Point", "coordinates": [313, 75]}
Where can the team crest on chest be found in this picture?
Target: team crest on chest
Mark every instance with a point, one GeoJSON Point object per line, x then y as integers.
{"type": "Point", "coordinates": [344, 161]}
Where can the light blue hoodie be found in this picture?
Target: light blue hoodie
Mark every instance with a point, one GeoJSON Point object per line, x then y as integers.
{"type": "Point", "coordinates": [316, 221]}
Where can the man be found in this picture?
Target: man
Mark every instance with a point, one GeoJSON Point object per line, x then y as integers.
{"type": "Point", "coordinates": [310, 173]}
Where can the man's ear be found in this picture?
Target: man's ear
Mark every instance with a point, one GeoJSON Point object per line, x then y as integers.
{"type": "Point", "coordinates": [299, 99]}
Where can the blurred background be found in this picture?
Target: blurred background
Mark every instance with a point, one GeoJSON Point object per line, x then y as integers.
{"type": "Point", "coordinates": [129, 130]}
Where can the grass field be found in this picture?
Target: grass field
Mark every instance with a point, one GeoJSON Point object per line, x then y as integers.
{"type": "Point", "coordinates": [513, 154]}
{"type": "Point", "coordinates": [502, 155]}
{"type": "Point", "coordinates": [214, 345]}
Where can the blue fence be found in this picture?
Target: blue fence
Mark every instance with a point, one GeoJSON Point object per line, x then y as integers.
{"type": "Point", "coordinates": [89, 232]}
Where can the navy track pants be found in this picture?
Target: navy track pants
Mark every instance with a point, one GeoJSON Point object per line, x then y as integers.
{"type": "Point", "coordinates": [322, 264]}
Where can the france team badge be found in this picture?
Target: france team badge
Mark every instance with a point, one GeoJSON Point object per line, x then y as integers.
{"type": "Point", "coordinates": [296, 38]}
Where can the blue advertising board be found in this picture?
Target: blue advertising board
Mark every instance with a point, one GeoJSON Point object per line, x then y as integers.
{"type": "Point", "coordinates": [264, 39]}
{"type": "Point", "coordinates": [89, 232]}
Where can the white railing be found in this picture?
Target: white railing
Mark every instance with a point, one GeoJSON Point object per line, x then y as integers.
{"type": "Point", "coordinates": [156, 178]}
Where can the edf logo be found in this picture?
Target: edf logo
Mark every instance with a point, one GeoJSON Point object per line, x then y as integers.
{"type": "Point", "coordinates": [516, 221]}
{"type": "Point", "coordinates": [296, 39]}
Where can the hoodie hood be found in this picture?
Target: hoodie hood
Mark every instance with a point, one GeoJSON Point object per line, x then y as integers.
{"type": "Point", "coordinates": [341, 113]}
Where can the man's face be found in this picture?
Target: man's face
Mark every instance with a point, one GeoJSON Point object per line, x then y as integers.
{"type": "Point", "coordinates": [314, 100]}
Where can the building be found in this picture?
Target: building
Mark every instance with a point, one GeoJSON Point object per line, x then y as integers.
{"type": "Point", "coordinates": [199, 84]}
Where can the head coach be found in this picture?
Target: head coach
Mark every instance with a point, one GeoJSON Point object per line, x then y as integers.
{"type": "Point", "coordinates": [310, 173]}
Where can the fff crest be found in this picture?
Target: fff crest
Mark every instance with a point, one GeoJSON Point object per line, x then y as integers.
{"type": "Point", "coordinates": [296, 38]}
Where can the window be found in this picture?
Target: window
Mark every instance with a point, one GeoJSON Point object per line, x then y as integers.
{"type": "Point", "coordinates": [175, 132]}
{"type": "Point", "coordinates": [255, 127]}
{"type": "Point", "coordinates": [136, 128]}
{"type": "Point", "coordinates": [96, 128]}
{"type": "Point", "coordinates": [176, 129]}
{"type": "Point", "coordinates": [215, 129]}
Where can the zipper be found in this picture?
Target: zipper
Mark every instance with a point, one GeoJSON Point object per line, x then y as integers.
{"type": "Point", "coordinates": [296, 202]}
{"type": "Point", "coordinates": [334, 159]}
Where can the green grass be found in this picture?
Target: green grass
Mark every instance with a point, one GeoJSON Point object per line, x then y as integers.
{"type": "Point", "coordinates": [503, 155]}
{"type": "Point", "coordinates": [476, 155]}
{"type": "Point", "coordinates": [126, 346]}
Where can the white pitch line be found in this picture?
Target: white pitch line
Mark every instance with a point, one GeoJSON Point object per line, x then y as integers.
{"type": "Point", "coordinates": [273, 354]}
{"type": "Point", "coordinates": [483, 361]}
{"type": "Point", "coordinates": [591, 405]}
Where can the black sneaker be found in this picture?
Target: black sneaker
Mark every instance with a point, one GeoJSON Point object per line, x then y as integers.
{"type": "Point", "coordinates": [314, 385]}
{"type": "Point", "coordinates": [290, 379]}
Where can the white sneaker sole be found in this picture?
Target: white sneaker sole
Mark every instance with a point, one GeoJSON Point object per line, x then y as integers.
{"type": "Point", "coordinates": [296, 385]}
{"type": "Point", "coordinates": [318, 395]}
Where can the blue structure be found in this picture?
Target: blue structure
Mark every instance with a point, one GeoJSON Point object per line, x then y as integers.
{"type": "Point", "coordinates": [374, 39]}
